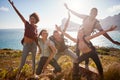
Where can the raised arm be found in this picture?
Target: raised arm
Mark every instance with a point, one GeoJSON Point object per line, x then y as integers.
{"type": "Point", "coordinates": [75, 13]}
{"type": "Point", "coordinates": [67, 22]}
{"type": "Point", "coordinates": [101, 33]}
{"type": "Point", "coordinates": [67, 35]}
{"type": "Point", "coordinates": [109, 38]}
{"type": "Point", "coordinates": [19, 14]}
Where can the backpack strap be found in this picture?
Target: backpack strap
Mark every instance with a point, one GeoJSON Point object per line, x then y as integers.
{"type": "Point", "coordinates": [77, 51]}
{"type": "Point", "coordinates": [94, 27]}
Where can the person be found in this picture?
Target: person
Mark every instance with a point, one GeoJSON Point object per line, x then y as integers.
{"type": "Point", "coordinates": [86, 49]}
{"type": "Point", "coordinates": [29, 41]}
{"type": "Point", "coordinates": [90, 23]}
{"type": "Point", "coordinates": [59, 42]}
{"type": "Point", "coordinates": [48, 51]}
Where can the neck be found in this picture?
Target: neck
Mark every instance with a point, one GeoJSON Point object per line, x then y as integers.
{"type": "Point", "coordinates": [92, 18]}
{"type": "Point", "coordinates": [44, 39]}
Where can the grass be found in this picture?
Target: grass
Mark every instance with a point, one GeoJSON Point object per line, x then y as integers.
{"type": "Point", "coordinates": [10, 60]}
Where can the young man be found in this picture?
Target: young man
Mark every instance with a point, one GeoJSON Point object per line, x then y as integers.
{"type": "Point", "coordinates": [30, 39]}
{"type": "Point", "coordinates": [86, 49]}
{"type": "Point", "coordinates": [90, 23]}
{"type": "Point", "coordinates": [58, 40]}
{"type": "Point", "coordinates": [48, 51]}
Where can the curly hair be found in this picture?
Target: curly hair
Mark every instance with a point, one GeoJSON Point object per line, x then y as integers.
{"type": "Point", "coordinates": [35, 16]}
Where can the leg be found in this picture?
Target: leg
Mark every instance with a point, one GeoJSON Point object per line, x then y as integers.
{"type": "Point", "coordinates": [98, 64]}
{"type": "Point", "coordinates": [54, 63]}
{"type": "Point", "coordinates": [71, 54]}
{"type": "Point", "coordinates": [75, 75]}
{"type": "Point", "coordinates": [24, 55]}
{"type": "Point", "coordinates": [57, 56]}
{"type": "Point", "coordinates": [40, 65]}
{"type": "Point", "coordinates": [23, 59]}
{"type": "Point", "coordinates": [33, 50]}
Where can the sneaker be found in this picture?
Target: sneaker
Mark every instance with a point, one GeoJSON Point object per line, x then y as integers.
{"type": "Point", "coordinates": [36, 77]}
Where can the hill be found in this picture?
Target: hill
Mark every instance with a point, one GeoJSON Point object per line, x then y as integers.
{"type": "Point", "coordinates": [10, 59]}
{"type": "Point", "coordinates": [106, 22]}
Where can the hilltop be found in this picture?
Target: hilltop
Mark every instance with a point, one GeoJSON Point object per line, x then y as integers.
{"type": "Point", "coordinates": [10, 59]}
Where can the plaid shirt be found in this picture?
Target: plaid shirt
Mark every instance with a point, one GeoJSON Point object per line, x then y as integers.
{"type": "Point", "coordinates": [30, 31]}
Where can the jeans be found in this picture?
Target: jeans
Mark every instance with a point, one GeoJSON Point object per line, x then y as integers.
{"type": "Point", "coordinates": [28, 47]}
{"type": "Point", "coordinates": [67, 52]}
{"type": "Point", "coordinates": [42, 62]}
{"type": "Point", "coordinates": [94, 56]}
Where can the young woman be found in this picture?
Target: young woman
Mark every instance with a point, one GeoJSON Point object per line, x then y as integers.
{"type": "Point", "coordinates": [48, 51]}
{"type": "Point", "coordinates": [87, 50]}
{"type": "Point", "coordinates": [30, 37]}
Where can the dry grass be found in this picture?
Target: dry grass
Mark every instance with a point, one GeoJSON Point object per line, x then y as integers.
{"type": "Point", "coordinates": [10, 59]}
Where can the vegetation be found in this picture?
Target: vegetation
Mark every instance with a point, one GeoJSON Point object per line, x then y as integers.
{"type": "Point", "coordinates": [10, 59]}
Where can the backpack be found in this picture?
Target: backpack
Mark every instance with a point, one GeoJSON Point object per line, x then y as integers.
{"type": "Point", "coordinates": [60, 46]}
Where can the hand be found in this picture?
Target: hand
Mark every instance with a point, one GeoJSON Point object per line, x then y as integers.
{"type": "Point", "coordinates": [66, 6]}
{"type": "Point", "coordinates": [112, 28]}
{"type": "Point", "coordinates": [58, 28]}
{"type": "Point", "coordinates": [11, 2]}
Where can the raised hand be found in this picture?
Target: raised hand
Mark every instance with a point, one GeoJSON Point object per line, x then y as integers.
{"type": "Point", "coordinates": [66, 6]}
{"type": "Point", "coordinates": [58, 28]}
{"type": "Point", "coordinates": [11, 2]}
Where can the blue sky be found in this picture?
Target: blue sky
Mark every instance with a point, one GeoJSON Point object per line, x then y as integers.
{"type": "Point", "coordinates": [51, 12]}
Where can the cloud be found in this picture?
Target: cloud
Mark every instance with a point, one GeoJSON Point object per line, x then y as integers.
{"type": "Point", "coordinates": [114, 8]}
{"type": "Point", "coordinates": [4, 9]}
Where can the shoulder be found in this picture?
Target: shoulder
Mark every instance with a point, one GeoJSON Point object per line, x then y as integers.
{"type": "Point", "coordinates": [98, 25]}
{"type": "Point", "coordinates": [39, 39]}
{"type": "Point", "coordinates": [97, 21]}
{"type": "Point", "coordinates": [51, 38]}
{"type": "Point", "coordinates": [50, 42]}
{"type": "Point", "coordinates": [85, 17]}
{"type": "Point", "coordinates": [27, 24]}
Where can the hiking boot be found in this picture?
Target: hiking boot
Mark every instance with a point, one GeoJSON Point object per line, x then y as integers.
{"type": "Point", "coordinates": [75, 75]}
{"type": "Point", "coordinates": [86, 67]}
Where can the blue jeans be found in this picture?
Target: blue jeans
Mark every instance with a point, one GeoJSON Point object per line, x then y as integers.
{"type": "Point", "coordinates": [42, 62]}
{"type": "Point", "coordinates": [28, 47]}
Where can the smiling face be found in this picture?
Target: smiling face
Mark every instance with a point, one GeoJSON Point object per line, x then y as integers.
{"type": "Point", "coordinates": [57, 35]}
{"type": "Point", "coordinates": [44, 34]}
{"type": "Point", "coordinates": [93, 12]}
{"type": "Point", "coordinates": [32, 20]}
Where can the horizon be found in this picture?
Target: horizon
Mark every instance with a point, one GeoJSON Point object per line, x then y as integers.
{"type": "Point", "coordinates": [52, 12]}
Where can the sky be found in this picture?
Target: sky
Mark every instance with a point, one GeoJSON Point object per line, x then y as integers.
{"type": "Point", "coordinates": [52, 12]}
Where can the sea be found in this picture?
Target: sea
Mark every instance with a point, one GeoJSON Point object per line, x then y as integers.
{"type": "Point", "coordinates": [11, 39]}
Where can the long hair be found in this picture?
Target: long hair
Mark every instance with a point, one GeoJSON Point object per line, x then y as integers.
{"type": "Point", "coordinates": [41, 32]}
